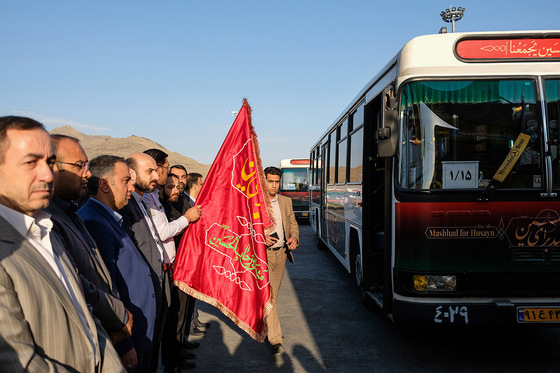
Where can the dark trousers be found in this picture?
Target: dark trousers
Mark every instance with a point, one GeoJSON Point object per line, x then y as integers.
{"type": "Point", "coordinates": [190, 312]}
{"type": "Point", "coordinates": [176, 326]}
{"type": "Point", "coordinates": [160, 323]}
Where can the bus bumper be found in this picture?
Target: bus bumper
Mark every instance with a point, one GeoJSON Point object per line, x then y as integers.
{"type": "Point", "coordinates": [450, 313]}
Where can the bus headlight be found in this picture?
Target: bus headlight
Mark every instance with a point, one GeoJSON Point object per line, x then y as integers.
{"type": "Point", "coordinates": [434, 283]}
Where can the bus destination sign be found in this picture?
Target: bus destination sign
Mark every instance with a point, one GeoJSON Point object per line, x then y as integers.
{"type": "Point", "coordinates": [509, 49]}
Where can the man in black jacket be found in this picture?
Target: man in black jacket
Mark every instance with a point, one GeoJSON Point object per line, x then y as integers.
{"type": "Point", "coordinates": [71, 175]}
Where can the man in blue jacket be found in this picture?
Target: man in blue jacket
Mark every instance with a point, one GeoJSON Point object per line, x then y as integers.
{"type": "Point", "coordinates": [110, 188]}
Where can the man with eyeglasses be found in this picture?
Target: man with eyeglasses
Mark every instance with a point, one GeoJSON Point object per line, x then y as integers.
{"type": "Point", "coordinates": [71, 176]}
{"type": "Point", "coordinates": [162, 164]}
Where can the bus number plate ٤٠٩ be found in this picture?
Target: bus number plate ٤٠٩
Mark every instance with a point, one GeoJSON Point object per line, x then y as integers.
{"type": "Point", "coordinates": [451, 314]}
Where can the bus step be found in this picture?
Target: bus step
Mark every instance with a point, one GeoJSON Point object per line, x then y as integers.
{"type": "Point", "coordinates": [377, 298]}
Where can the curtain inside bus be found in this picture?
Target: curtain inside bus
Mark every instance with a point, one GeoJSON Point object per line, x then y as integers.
{"type": "Point", "coordinates": [552, 92]}
{"type": "Point", "coordinates": [456, 134]}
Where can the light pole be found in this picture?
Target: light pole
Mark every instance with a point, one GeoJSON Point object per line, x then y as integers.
{"type": "Point", "coordinates": [452, 15]}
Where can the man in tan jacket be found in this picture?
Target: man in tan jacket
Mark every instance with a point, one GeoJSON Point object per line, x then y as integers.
{"type": "Point", "coordinates": [285, 237]}
{"type": "Point", "coordinates": [45, 324]}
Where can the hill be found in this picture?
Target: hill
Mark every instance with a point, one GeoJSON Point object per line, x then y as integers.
{"type": "Point", "coordinates": [95, 145]}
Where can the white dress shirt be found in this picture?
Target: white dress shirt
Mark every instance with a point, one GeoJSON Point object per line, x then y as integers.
{"type": "Point", "coordinates": [278, 220]}
{"type": "Point", "coordinates": [37, 230]}
{"type": "Point", "coordinates": [165, 228]}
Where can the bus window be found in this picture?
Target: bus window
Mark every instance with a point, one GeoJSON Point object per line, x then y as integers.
{"type": "Point", "coordinates": [552, 89]}
{"type": "Point", "coordinates": [356, 156]}
{"type": "Point", "coordinates": [332, 159]}
{"type": "Point", "coordinates": [358, 117]}
{"type": "Point", "coordinates": [294, 179]}
{"type": "Point", "coordinates": [341, 162]}
{"type": "Point", "coordinates": [343, 130]}
{"type": "Point", "coordinates": [456, 134]}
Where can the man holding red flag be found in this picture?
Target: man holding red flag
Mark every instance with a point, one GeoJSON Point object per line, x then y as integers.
{"type": "Point", "coordinates": [222, 259]}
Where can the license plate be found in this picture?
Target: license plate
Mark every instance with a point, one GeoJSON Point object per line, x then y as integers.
{"type": "Point", "coordinates": [538, 314]}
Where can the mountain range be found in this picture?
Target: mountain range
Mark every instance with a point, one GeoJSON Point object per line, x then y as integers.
{"type": "Point", "coordinates": [95, 145]}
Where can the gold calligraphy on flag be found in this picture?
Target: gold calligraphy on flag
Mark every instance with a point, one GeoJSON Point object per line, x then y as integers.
{"type": "Point", "coordinates": [245, 178]}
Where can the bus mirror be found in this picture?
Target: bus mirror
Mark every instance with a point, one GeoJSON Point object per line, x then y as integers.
{"type": "Point", "coordinates": [387, 135]}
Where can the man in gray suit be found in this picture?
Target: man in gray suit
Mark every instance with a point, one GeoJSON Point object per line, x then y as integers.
{"type": "Point", "coordinates": [71, 175]}
{"type": "Point", "coordinates": [45, 324]}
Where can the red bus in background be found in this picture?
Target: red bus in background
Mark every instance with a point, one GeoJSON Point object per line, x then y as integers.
{"type": "Point", "coordinates": [295, 184]}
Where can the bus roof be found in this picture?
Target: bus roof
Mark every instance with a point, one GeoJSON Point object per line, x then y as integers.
{"type": "Point", "coordinates": [434, 55]}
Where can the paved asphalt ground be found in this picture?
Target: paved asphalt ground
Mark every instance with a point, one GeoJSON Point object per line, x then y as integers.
{"type": "Point", "coordinates": [326, 329]}
{"type": "Point", "coordinates": [307, 308]}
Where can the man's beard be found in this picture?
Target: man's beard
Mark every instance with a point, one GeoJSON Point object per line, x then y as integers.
{"type": "Point", "coordinates": [169, 199]}
{"type": "Point", "coordinates": [143, 186]}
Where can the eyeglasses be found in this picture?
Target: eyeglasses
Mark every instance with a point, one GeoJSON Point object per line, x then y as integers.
{"type": "Point", "coordinates": [81, 165]}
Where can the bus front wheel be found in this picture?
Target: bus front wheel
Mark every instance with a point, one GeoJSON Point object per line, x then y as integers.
{"type": "Point", "coordinates": [362, 291]}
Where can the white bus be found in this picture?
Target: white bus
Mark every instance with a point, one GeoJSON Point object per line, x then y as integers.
{"type": "Point", "coordinates": [437, 186]}
{"type": "Point", "coordinates": [295, 184]}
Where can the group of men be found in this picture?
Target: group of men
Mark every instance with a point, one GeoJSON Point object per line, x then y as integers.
{"type": "Point", "coordinates": [86, 256]}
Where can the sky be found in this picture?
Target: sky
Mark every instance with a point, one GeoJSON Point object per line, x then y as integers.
{"type": "Point", "coordinates": [173, 71]}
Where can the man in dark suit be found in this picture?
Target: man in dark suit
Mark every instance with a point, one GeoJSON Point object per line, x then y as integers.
{"type": "Point", "coordinates": [45, 323]}
{"type": "Point", "coordinates": [141, 220]}
{"type": "Point", "coordinates": [135, 221]}
{"type": "Point", "coordinates": [193, 187]}
{"type": "Point", "coordinates": [70, 177]}
{"type": "Point", "coordinates": [141, 229]}
{"type": "Point", "coordinates": [285, 239]}
{"type": "Point", "coordinates": [110, 189]}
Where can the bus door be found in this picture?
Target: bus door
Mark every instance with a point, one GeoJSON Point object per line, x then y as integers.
{"type": "Point", "coordinates": [377, 171]}
{"type": "Point", "coordinates": [323, 182]}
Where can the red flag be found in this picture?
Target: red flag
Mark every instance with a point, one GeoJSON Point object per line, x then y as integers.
{"type": "Point", "coordinates": [222, 257]}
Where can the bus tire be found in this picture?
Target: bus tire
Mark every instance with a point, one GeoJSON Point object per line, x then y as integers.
{"type": "Point", "coordinates": [357, 269]}
{"type": "Point", "coordinates": [366, 300]}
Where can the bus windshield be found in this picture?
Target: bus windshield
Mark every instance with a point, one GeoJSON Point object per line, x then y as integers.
{"type": "Point", "coordinates": [294, 179]}
{"type": "Point", "coordinates": [456, 134]}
